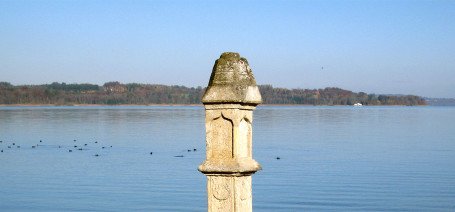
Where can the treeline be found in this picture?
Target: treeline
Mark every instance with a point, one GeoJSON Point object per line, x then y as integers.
{"type": "Point", "coordinates": [111, 93]}
{"type": "Point", "coordinates": [115, 93]}
{"type": "Point", "coordinates": [333, 96]}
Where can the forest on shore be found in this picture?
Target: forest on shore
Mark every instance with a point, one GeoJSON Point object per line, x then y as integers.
{"type": "Point", "coordinates": [115, 93]}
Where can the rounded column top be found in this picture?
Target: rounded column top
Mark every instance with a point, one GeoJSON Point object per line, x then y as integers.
{"type": "Point", "coordinates": [232, 81]}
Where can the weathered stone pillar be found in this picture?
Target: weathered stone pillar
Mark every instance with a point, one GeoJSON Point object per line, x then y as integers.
{"type": "Point", "coordinates": [229, 101]}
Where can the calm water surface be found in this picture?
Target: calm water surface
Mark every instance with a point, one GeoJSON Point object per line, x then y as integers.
{"type": "Point", "coordinates": [332, 158]}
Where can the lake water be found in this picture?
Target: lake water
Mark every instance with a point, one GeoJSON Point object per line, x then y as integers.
{"type": "Point", "coordinates": [332, 158]}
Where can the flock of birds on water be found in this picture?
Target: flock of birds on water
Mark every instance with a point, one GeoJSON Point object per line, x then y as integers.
{"type": "Point", "coordinates": [76, 147]}
{"type": "Point", "coordinates": [79, 147]}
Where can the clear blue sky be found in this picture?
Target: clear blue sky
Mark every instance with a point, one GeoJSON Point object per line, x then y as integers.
{"type": "Point", "coordinates": [388, 47]}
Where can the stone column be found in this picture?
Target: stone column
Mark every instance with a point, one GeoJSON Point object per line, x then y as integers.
{"type": "Point", "coordinates": [229, 101]}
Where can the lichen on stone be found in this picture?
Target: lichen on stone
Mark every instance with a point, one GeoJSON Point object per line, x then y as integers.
{"type": "Point", "coordinates": [232, 81]}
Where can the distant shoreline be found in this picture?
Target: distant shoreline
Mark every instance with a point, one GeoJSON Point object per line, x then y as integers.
{"type": "Point", "coordinates": [115, 93]}
{"type": "Point", "coordinates": [91, 105]}
{"type": "Point", "coordinates": [171, 105]}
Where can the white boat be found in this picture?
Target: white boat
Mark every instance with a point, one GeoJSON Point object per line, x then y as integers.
{"type": "Point", "coordinates": [358, 104]}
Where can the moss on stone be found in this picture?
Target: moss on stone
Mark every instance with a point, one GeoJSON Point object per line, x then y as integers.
{"type": "Point", "coordinates": [232, 81]}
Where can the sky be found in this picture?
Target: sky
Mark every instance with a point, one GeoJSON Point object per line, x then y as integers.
{"type": "Point", "coordinates": [382, 47]}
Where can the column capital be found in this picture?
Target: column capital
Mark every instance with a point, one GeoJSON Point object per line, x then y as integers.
{"type": "Point", "coordinates": [232, 81]}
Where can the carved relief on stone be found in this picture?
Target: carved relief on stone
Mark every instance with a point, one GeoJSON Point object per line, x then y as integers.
{"type": "Point", "coordinates": [244, 142]}
{"type": "Point", "coordinates": [220, 134]}
{"type": "Point", "coordinates": [220, 188]}
{"type": "Point", "coordinates": [229, 101]}
{"type": "Point", "coordinates": [220, 193]}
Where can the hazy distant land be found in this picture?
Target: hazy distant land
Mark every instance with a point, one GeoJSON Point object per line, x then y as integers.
{"type": "Point", "coordinates": [440, 101]}
{"type": "Point", "coordinates": [115, 93]}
